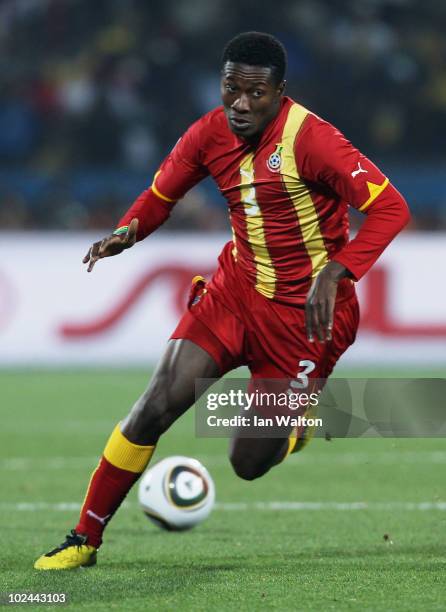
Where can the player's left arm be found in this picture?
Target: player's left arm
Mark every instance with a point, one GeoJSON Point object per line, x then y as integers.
{"type": "Point", "coordinates": [326, 156]}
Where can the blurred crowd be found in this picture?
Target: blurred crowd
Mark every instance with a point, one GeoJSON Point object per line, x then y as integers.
{"type": "Point", "coordinates": [94, 93]}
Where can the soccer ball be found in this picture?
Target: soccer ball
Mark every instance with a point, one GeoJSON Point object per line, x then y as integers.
{"type": "Point", "coordinates": [177, 493]}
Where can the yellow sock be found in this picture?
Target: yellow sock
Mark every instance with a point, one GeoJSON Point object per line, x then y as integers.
{"type": "Point", "coordinates": [123, 454]}
{"type": "Point", "coordinates": [118, 470]}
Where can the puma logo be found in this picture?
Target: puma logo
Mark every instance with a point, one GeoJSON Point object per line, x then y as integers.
{"type": "Point", "coordinates": [355, 172]}
{"type": "Point", "coordinates": [101, 519]}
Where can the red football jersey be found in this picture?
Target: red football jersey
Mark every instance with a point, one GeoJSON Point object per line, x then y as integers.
{"type": "Point", "coordinates": [287, 195]}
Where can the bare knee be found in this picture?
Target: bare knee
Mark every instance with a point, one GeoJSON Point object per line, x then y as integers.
{"type": "Point", "coordinates": [247, 469]}
{"type": "Point", "coordinates": [170, 392]}
{"type": "Point", "coordinates": [251, 458]}
{"type": "Point", "coordinates": [152, 414]}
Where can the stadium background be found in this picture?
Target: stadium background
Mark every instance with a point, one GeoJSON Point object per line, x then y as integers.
{"type": "Point", "coordinates": [92, 96]}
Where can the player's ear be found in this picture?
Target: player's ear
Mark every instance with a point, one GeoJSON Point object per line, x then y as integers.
{"type": "Point", "coordinates": [281, 88]}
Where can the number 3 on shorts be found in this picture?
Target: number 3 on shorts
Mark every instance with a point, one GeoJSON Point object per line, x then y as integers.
{"type": "Point", "coordinates": [301, 381]}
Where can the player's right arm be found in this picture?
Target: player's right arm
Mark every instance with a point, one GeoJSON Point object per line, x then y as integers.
{"type": "Point", "coordinates": [179, 172]}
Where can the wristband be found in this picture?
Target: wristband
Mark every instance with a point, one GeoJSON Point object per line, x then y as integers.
{"type": "Point", "coordinates": [121, 230]}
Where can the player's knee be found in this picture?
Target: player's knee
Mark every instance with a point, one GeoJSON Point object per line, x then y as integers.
{"type": "Point", "coordinates": [245, 469]}
{"type": "Point", "coordinates": [151, 412]}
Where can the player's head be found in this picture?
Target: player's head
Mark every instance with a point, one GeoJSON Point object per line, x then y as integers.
{"type": "Point", "coordinates": [252, 81]}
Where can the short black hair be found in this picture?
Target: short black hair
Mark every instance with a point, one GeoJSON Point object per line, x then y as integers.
{"type": "Point", "coordinates": [257, 49]}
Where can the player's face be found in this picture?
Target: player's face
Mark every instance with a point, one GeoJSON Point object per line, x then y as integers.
{"type": "Point", "coordinates": [251, 98]}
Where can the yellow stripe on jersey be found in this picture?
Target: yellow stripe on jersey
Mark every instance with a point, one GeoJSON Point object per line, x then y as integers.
{"type": "Point", "coordinates": [375, 191]}
{"type": "Point", "coordinates": [300, 194]}
{"type": "Point", "coordinates": [234, 242]}
{"type": "Point", "coordinates": [158, 193]}
{"type": "Point", "coordinates": [265, 274]}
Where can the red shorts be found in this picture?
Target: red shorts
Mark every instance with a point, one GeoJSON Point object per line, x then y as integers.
{"type": "Point", "coordinates": [237, 326]}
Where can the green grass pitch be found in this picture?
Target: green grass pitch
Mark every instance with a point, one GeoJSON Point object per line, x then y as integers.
{"type": "Point", "coordinates": [255, 552]}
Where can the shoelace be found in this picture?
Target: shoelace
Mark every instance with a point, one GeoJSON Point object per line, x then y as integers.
{"type": "Point", "coordinates": [72, 539]}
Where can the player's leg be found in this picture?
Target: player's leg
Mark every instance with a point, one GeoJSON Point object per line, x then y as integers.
{"type": "Point", "coordinates": [170, 393]}
{"type": "Point", "coordinates": [253, 457]}
{"type": "Point", "coordinates": [194, 352]}
{"type": "Point", "coordinates": [310, 363]}
{"type": "Point", "coordinates": [127, 453]}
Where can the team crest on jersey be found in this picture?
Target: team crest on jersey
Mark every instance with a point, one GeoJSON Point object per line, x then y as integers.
{"type": "Point", "coordinates": [274, 162]}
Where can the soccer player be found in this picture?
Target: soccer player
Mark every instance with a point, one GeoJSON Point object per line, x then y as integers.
{"type": "Point", "coordinates": [282, 300]}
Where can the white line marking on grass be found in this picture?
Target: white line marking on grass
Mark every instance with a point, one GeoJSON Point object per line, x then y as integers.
{"type": "Point", "coordinates": [294, 506]}
{"type": "Point", "coordinates": [395, 457]}
{"type": "Point", "coordinates": [17, 464]}
{"type": "Point", "coordinates": [44, 506]}
{"type": "Point", "coordinates": [340, 506]}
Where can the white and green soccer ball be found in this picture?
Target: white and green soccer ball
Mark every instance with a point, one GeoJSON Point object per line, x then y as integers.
{"type": "Point", "coordinates": [177, 493]}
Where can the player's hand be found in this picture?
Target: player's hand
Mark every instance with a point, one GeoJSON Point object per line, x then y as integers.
{"type": "Point", "coordinates": [321, 299]}
{"type": "Point", "coordinates": [111, 245]}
